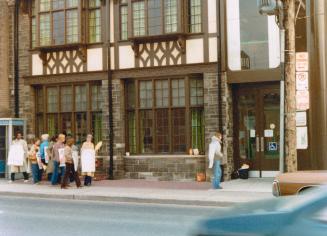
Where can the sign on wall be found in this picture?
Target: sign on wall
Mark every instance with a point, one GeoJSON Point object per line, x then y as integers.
{"type": "Point", "coordinates": [302, 98]}
{"type": "Point", "coordinates": [302, 81]}
{"type": "Point", "coordinates": [302, 61]}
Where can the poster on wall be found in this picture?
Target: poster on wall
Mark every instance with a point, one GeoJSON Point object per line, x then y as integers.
{"type": "Point", "coordinates": [302, 81]}
{"type": "Point", "coordinates": [302, 138]}
{"type": "Point", "coordinates": [16, 155]}
{"type": "Point", "coordinates": [302, 100]}
{"type": "Point", "coordinates": [302, 61]}
{"type": "Point", "coordinates": [301, 118]}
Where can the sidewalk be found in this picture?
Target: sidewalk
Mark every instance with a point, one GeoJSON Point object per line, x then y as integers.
{"type": "Point", "coordinates": [142, 191]}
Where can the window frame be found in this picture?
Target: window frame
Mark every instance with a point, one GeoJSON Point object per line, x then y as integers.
{"type": "Point", "coordinates": [60, 113]}
{"type": "Point", "coordinates": [179, 23]}
{"type": "Point", "coordinates": [137, 110]}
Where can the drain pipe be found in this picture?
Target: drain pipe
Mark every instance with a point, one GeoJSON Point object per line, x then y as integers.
{"type": "Point", "coordinates": [219, 76]}
{"type": "Point", "coordinates": [16, 58]}
{"type": "Point", "coordinates": [110, 102]}
{"type": "Point", "coordinates": [280, 6]}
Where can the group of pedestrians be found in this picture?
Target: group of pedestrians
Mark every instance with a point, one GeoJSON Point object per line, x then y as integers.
{"type": "Point", "coordinates": [55, 159]}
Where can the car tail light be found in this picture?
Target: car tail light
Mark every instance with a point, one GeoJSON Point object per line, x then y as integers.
{"type": "Point", "coordinates": [275, 189]}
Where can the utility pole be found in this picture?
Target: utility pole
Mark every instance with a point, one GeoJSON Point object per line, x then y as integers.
{"type": "Point", "coordinates": [16, 57]}
{"type": "Point", "coordinates": [290, 87]}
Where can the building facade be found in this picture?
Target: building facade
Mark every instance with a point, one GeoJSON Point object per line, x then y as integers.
{"type": "Point", "coordinates": [168, 97]}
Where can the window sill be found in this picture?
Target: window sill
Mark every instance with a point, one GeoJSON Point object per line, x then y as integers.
{"type": "Point", "coordinates": [156, 38]}
{"type": "Point", "coordinates": [168, 156]}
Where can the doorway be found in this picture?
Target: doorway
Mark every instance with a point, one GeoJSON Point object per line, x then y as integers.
{"type": "Point", "coordinates": [256, 133]}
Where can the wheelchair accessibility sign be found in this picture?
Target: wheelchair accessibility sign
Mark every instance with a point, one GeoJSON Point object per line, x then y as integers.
{"type": "Point", "coordinates": [272, 146]}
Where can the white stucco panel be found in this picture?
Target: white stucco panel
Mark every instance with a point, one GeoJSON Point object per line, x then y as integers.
{"type": "Point", "coordinates": [194, 51]}
{"type": "Point", "coordinates": [126, 57]}
{"type": "Point", "coordinates": [213, 49]}
{"type": "Point", "coordinates": [94, 59]}
{"type": "Point", "coordinates": [37, 65]}
{"type": "Point", "coordinates": [212, 16]}
{"type": "Point", "coordinates": [112, 59]}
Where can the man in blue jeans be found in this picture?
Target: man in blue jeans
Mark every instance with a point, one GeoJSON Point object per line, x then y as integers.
{"type": "Point", "coordinates": [215, 159]}
{"type": "Point", "coordinates": [58, 149]}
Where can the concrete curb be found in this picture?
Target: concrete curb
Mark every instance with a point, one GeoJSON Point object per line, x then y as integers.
{"type": "Point", "coordinates": [119, 199]}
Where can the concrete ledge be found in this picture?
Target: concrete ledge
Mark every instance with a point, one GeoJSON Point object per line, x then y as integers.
{"type": "Point", "coordinates": [163, 156]}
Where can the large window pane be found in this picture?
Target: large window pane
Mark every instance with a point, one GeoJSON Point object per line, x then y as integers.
{"type": "Point", "coordinates": [162, 93]}
{"type": "Point", "coordinates": [80, 98]}
{"type": "Point", "coordinates": [72, 26]}
{"type": "Point", "coordinates": [130, 93]}
{"type": "Point", "coordinates": [146, 132]}
{"type": "Point", "coordinates": [94, 3]}
{"type": "Point", "coordinates": [52, 96]}
{"type": "Point", "coordinates": [45, 32]}
{"type": "Point", "coordinates": [178, 92]}
{"type": "Point", "coordinates": [170, 16]}
{"type": "Point", "coordinates": [96, 126]}
{"type": "Point", "coordinates": [154, 17]}
{"type": "Point", "coordinates": [131, 132]}
{"type": "Point", "coordinates": [179, 130]}
{"type": "Point", "coordinates": [146, 96]}
{"type": "Point", "coordinates": [195, 16]}
{"type": "Point", "coordinates": [33, 32]}
{"type": "Point", "coordinates": [58, 4]}
{"type": "Point", "coordinates": [71, 3]}
{"type": "Point", "coordinates": [253, 39]}
{"type": "Point", "coordinates": [66, 123]}
{"type": "Point", "coordinates": [96, 101]}
{"type": "Point", "coordinates": [197, 120]}
{"type": "Point", "coordinates": [196, 92]}
{"type": "Point", "coordinates": [52, 122]}
{"type": "Point", "coordinates": [162, 130]}
{"type": "Point", "coordinates": [80, 128]}
{"type": "Point", "coordinates": [138, 18]}
{"type": "Point", "coordinates": [66, 98]}
{"type": "Point", "coordinates": [123, 22]}
{"type": "Point", "coordinates": [58, 35]}
{"type": "Point", "coordinates": [94, 26]}
{"type": "Point", "coordinates": [39, 100]}
{"type": "Point", "coordinates": [45, 5]}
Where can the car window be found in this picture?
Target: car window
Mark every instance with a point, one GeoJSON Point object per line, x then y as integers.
{"type": "Point", "coordinates": [321, 215]}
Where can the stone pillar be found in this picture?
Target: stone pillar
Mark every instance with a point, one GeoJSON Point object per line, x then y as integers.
{"type": "Point", "coordinates": [118, 122]}
{"type": "Point", "coordinates": [211, 113]}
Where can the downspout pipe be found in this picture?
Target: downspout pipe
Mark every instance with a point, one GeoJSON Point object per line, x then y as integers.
{"type": "Point", "coordinates": [280, 8]}
{"type": "Point", "coordinates": [219, 74]}
{"type": "Point", "coordinates": [16, 58]}
{"type": "Point", "coordinates": [110, 103]}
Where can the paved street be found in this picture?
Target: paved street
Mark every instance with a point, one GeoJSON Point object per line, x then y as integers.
{"type": "Point", "coordinates": [27, 216]}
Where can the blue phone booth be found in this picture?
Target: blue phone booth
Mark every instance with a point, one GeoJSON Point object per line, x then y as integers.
{"type": "Point", "coordinates": [8, 128]}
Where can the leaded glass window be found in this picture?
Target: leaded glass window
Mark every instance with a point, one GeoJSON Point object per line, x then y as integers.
{"type": "Point", "coordinates": [138, 18]}
{"type": "Point", "coordinates": [171, 22]}
{"type": "Point", "coordinates": [94, 21]}
{"type": "Point", "coordinates": [195, 16]}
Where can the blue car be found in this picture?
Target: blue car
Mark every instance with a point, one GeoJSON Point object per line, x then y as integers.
{"type": "Point", "coordinates": [302, 215]}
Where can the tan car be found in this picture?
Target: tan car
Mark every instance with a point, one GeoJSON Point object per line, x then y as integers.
{"type": "Point", "coordinates": [297, 182]}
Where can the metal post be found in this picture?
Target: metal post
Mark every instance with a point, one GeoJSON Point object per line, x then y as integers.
{"type": "Point", "coordinates": [282, 87]}
{"type": "Point", "coordinates": [220, 109]}
{"type": "Point", "coordinates": [110, 102]}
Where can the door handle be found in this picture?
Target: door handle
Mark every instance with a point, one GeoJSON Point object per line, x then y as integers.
{"type": "Point", "coordinates": [262, 144]}
{"type": "Point", "coordinates": [257, 143]}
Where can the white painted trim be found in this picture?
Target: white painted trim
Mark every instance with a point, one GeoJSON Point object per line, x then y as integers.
{"type": "Point", "coordinates": [269, 174]}
{"type": "Point", "coordinates": [254, 174]}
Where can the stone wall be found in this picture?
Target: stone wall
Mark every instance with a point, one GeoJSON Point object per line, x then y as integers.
{"type": "Point", "coordinates": [211, 112]}
{"type": "Point", "coordinates": [4, 59]}
{"type": "Point", "coordinates": [164, 168]}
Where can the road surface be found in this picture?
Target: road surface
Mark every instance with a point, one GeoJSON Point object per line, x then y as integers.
{"type": "Point", "coordinates": [33, 217]}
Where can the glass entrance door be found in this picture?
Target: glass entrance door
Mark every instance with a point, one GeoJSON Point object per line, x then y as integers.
{"type": "Point", "coordinates": [257, 127]}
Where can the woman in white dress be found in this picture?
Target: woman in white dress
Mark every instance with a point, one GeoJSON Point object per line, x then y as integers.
{"type": "Point", "coordinates": [88, 145]}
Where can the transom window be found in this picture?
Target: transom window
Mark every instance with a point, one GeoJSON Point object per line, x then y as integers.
{"type": "Point", "coordinates": [161, 117]}
{"type": "Point", "coordinates": [73, 109]}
